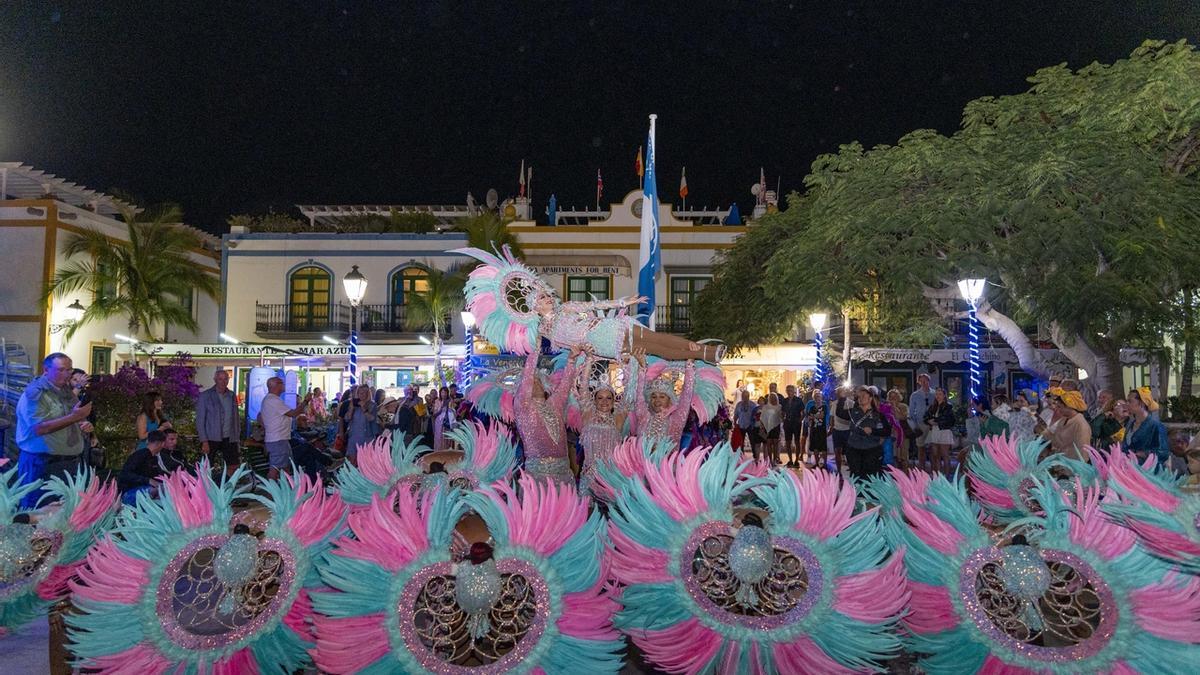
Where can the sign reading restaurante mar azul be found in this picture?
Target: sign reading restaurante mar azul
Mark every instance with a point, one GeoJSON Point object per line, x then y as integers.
{"type": "Point", "coordinates": [253, 351]}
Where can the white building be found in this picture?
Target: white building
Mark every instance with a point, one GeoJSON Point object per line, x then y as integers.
{"type": "Point", "coordinates": [285, 305]}
{"type": "Point", "coordinates": [38, 211]}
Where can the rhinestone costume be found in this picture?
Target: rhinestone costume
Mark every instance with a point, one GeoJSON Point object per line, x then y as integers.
{"type": "Point", "coordinates": [541, 424]}
{"type": "Point", "coordinates": [668, 425]}
{"type": "Point", "coordinates": [574, 324]}
{"type": "Point", "coordinates": [598, 438]}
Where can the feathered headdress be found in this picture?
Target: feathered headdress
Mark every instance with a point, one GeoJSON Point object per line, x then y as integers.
{"type": "Point", "coordinates": [38, 559]}
{"type": "Point", "coordinates": [175, 590]}
{"type": "Point", "coordinates": [1072, 593]}
{"type": "Point", "coordinates": [489, 455]}
{"type": "Point", "coordinates": [532, 599]}
{"type": "Point", "coordinates": [502, 293]}
{"type": "Point", "coordinates": [708, 591]}
{"type": "Point", "coordinates": [1151, 503]}
{"type": "Point", "coordinates": [1004, 472]}
{"type": "Point", "coordinates": [382, 464]}
{"type": "Point", "coordinates": [667, 377]}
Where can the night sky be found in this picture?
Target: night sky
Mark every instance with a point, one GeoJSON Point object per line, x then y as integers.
{"type": "Point", "coordinates": [231, 107]}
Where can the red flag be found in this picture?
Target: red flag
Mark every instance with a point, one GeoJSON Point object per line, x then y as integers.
{"type": "Point", "coordinates": [599, 186]}
{"type": "Point", "coordinates": [683, 184]}
{"type": "Point", "coordinates": [641, 170]}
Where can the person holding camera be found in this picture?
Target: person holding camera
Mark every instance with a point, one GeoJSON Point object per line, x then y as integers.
{"type": "Point", "coordinates": [277, 426]}
{"type": "Point", "coordinates": [51, 426]}
{"type": "Point", "coordinates": [359, 418]}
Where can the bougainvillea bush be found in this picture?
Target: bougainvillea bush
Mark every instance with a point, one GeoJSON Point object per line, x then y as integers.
{"type": "Point", "coordinates": [118, 400]}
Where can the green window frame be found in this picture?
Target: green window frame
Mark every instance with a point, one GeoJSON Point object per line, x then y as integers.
{"type": "Point", "coordinates": [310, 295]}
{"type": "Point", "coordinates": [108, 290]}
{"type": "Point", "coordinates": [412, 279]}
{"type": "Point", "coordinates": [684, 290]}
{"type": "Point", "coordinates": [101, 361]}
{"type": "Point", "coordinates": [582, 289]}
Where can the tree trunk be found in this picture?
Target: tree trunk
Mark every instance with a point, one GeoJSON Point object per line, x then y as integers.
{"type": "Point", "coordinates": [437, 354]}
{"type": "Point", "coordinates": [1011, 333]}
{"type": "Point", "coordinates": [1188, 368]}
{"type": "Point", "coordinates": [846, 343]}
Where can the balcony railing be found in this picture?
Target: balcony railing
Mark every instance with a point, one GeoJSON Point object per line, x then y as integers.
{"type": "Point", "coordinates": [392, 319]}
{"type": "Point", "coordinates": [281, 319]}
{"type": "Point", "coordinates": [673, 319]}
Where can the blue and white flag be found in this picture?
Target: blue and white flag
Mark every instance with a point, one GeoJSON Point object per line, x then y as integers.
{"type": "Point", "coordinates": [649, 257]}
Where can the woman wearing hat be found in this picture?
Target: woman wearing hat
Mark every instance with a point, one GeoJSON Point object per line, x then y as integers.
{"type": "Point", "coordinates": [1144, 434]}
{"type": "Point", "coordinates": [1072, 433]}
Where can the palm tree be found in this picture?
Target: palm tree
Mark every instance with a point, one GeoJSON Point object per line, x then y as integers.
{"type": "Point", "coordinates": [489, 232]}
{"type": "Point", "coordinates": [144, 279]}
{"type": "Point", "coordinates": [435, 306]}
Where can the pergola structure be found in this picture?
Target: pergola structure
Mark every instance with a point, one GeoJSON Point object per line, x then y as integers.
{"type": "Point", "coordinates": [447, 215]}
{"type": "Point", "coordinates": [21, 181]}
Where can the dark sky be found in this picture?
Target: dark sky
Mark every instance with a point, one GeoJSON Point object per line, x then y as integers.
{"type": "Point", "coordinates": [230, 107]}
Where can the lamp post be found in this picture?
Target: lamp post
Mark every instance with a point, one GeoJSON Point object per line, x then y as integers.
{"type": "Point", "coordinates": [972, 292]}
{"type": "Point", "coordinates": [817, 321]}
{"type": "Point", "coordinates": [356, 287]}
{"type": "Point", "coordinates": [73, 314]}
{"type": "Point", "coordinates": [468, 320]}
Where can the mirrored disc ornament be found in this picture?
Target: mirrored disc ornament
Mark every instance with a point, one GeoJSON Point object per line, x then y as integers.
{"type": "Point", "coordinates": [223, 600]}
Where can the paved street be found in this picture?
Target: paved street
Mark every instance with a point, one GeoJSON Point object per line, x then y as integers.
{"type": "Point", "coordinates": [26, 652]}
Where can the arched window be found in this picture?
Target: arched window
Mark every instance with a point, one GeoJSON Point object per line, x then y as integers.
{"type": "Point", "coordinates": [309, 298]}
{"type": "Point", "coordinates": [411, 279]}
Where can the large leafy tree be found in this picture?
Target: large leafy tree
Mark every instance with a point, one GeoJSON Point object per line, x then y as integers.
{"type": "Point", "coordinates": [1075, 199]}
{"type": "Point", "coordinates": [142, 280]}
{"type": "Point", "coordinates": [435, 306]}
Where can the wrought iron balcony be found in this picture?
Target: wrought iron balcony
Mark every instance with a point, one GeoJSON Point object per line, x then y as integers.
{"type": "Point", "coordinates": [673, 319]}
{"type": "Point", "coordinates": [284, 319]}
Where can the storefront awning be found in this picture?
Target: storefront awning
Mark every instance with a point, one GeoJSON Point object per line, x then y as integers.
{"type": "Point", "coordinates": [555, 264]}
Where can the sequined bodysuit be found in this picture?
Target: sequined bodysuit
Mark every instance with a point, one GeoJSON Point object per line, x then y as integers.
{"type": "Point", "coordinates": [598, 438]}
{"type": "Point", "coordinates": [575, 324]}
{"type": "Point", "coordinates": [541, 424]}
{"type": "Point", "coordinates": [667, 425]}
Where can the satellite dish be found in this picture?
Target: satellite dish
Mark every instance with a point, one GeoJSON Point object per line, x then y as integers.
{"type": "Point", "coordinates": [755, 189]}
{"type": "Point", "coordinates": [493, 198]}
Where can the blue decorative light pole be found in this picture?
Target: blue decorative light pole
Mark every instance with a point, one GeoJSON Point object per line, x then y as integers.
{"type": "Point", "coordinates": [817, 321]}
{"type": "Point", "coordinates": [356, 287]}
{"type": "Point", "coordinates": [972, 292]}
{"type": "Point", "coordinates": [468, 320]}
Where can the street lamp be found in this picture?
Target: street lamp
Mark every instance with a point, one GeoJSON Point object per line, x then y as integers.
{"type": "Point", "coordinates": [73, 314]}
{"type": "Point", "coordinates": [468, 320]}
{"type": "Point", "coordinates": [356, 287]}
{"type": "Point", "coordinates": [972, 292]}
{"type": "Point", "coordinates": [229, 338]}
{"type": "Point", "coordinates": [330, 340]}
{"type": "Point", "coordinates": [817, 321]}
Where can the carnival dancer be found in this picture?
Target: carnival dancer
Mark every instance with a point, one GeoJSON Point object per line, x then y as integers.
{"type": "Point", "coordinates": [604, 419]}
{"type": "Point", "coordinates": [514, 308]}
{"type": "Point", "coordinates": [661, 414]}
{"type": "Point", "coordinates": [541, 421]}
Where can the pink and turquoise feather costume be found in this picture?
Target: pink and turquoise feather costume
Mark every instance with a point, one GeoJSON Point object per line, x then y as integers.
{"type": "Point", "coordinates": [1149, 501]}
{"type": "Point", "coordinates": [1084, 598]}
{"type": "Point", "coordinates": [38, 560]}
{"type": "Point", "coordinates": [396, 606]}
{"type": "Point", "coordinates": [173, 590]}
{"type": "Point", "coordinates": [828, 603]}
{"type": "Point", "coordinates": [1004, 471]}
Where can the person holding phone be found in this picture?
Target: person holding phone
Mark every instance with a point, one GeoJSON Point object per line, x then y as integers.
{"type": "Point", "coordinates": [51, 425]}
{"type": "Point", "coordinates": [277, 426]}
